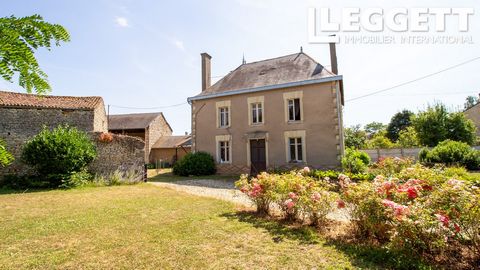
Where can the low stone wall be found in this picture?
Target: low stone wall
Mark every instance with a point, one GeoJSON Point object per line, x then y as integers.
{"type": "Point", "coordinates": [124, 154]}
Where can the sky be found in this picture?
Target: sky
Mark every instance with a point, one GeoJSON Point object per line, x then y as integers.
{"type": "Point", "coordinates": [144, 56]}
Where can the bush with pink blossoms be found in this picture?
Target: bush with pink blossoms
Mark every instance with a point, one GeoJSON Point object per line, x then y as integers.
{"type": "Point", "coordinates": [421, 211]}
{"type": "Point", "coordinates": [298, 196]}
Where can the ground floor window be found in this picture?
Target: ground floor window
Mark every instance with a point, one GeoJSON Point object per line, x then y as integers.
{"type": "Point", "coordinates": [296, 151]}
{"type": "Point", "coordinates": [224, 151]}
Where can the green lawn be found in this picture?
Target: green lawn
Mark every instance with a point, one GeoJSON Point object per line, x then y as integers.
{"type": "Point", "coordinates": [144, 226]}
{"type": "Point", "coordinates": [166, 175]}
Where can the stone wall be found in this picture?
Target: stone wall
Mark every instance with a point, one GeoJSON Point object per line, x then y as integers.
{"type": "Point", "coordinates": [125, 154]}
{"type": "Point", "coordinates": [157, 128]}
{"type": "Point", "coordinates": [18, 125]}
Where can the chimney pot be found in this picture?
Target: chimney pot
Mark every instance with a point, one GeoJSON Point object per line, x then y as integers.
{"type": "Point", "coordinates": [206, 71]}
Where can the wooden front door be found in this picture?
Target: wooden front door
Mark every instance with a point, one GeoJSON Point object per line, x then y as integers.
{"type": "Point", "coordinates": [258, 156]}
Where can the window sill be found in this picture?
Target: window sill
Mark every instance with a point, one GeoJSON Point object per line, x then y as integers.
{"type": "Point", "coordinates": [225, 127]}
{"type": "Point", "coordinates": [257, 124]}
{"type": "Point", "coordinates": [223, 163]}
{"type": "Point", "coordinates": [294, 122]}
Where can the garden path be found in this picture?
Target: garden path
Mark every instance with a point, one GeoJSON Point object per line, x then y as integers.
{"type": "Point", "coordinates": [225, 190]}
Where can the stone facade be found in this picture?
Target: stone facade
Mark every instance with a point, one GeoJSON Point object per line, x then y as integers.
{"type": "Point", "coordinates": [124, 154]}
{"type": "Point", "coordinates": [473, 113]}
{"type": "Point", "coordinates": [157, 128]}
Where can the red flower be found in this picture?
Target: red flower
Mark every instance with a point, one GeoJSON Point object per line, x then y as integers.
{"type": "Point", "coordinates": [457, 228]}
{"type": "Point", "coordinates": [443, 219]}
{"type": "Point", "coordinates": [340, 204]}
{"type": "Point", "coordinates": [412, 192]}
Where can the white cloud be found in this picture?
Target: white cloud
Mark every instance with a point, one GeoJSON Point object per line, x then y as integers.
{"type": "Point", "coordinates": [122, 21]}
{"type": "Point", "coordinates": [177, 43]}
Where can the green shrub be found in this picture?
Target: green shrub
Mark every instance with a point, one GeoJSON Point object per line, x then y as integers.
{"type": "Point", "coordinates": [5, 157]}
{"type": "Point", "coordinates": [390, 166]}
{"type": "Point", "coordinates": [355, 161]}
{"type": "Point", "coordinates": [452, 153]}
{"type": "Point", "coordinates": [57, 154]}
{"type": "Point", "coordinates": [198, 163]}
{"type": "Point", "coordinates": [333, 175]}
{"type": "Point", "coordinates": [76, 179]}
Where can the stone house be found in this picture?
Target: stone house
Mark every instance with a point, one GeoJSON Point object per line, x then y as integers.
{"type": "Point", "coordinates": [277, 113]}
{"type": "Point", "coordinates": [473, 113]}
{"type": "Point", "coordinates": [168, 149]}
{"type": "Point", "coordinates": [22, 116]}
{"type": "Point", "coordinates": [147, 126]}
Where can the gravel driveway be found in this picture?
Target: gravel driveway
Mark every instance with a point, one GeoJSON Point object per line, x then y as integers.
{"type": "Point", "coordinates": [225, 190]}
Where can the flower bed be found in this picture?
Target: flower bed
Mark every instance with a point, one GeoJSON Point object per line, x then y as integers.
{"type": "Point", "coordinates": [298, 196]}
{"type": "Point", "coordinates": [416, 210]}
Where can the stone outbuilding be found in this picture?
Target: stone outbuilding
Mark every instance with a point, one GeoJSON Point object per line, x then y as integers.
{"type": "Point", "coordinates": [168, 149]}
{"type": "Point", "coordinates": [147, 126]}
{"type": "Point", "coordinates": [22, 116]}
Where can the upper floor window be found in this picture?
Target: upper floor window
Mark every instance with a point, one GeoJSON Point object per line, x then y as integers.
{"type": "Point", "coordinates": [296, 150]}
{"type": "Point", "coordinates": [294, 113]}
{"type": "Point", "coordinates": [257, 113]}
{"type": "Point", "coordinates": [223, 117]}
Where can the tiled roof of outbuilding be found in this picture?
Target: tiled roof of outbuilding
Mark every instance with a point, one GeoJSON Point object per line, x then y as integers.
{"type": "Point", "coordinates": [11, 99]}
{"type": "Point", "coordinates": [173, 141]}
{"type": "Point", "coordinates": [133, 120]}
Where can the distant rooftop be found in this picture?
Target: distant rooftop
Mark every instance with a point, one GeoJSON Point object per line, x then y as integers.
{"type": "Point", "coordinates": [132, 121]}
{"type": "Point", "coordinates": [20, 100]}
{"type": "Point", "coordinates": [173, 141]}
{"type": "Point", "coordinates": [286, 69]}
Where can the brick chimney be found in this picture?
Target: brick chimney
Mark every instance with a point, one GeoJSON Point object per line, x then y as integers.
{"type": "Point", "coordinates": [333, 58]}
{"type": "Point", "coordinates": [206, 71]}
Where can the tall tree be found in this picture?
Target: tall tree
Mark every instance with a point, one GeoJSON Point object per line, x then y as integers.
{"type": "Point", "coordinates": [374, 128]}
{"type": "Point", "coordinates": [355, 137]}
{"type": "Point", "coordinates": [437, 124]}
{"type": "Point", "coordinates": [19, 38]}
{"type": "Point", "coordinates": [399, 122]}
{"type": "Point", "coordinates": [470, 101]}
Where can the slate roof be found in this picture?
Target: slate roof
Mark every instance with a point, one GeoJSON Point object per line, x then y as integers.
{"type": "Point", "coordinates": [133, 121]}
{"type": "Point", "coordinates": [20, 100]}
{"type": "Point", "coordinates": [173, 141]}
{"type": "Point", "coordinates": [286, 69]}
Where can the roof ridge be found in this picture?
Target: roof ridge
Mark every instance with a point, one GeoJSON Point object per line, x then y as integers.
{"type": "Point", "coordinates": [45, 96]}
{"type": "Point", "coordinates": [269, 59]}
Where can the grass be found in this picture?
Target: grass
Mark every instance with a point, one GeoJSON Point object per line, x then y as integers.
{"type": "Point", "coordinates": [143, 226]}
{"type": "Point", "coordinates": [166, 175]}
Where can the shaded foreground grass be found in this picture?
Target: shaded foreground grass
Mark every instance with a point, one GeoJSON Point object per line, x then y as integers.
{"type": "Point", "coordinates": [143, 226]}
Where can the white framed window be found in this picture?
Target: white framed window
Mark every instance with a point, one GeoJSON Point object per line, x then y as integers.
{"type": "Point", "coordinates": [224, 148]}
{"type": "Point", "coordinates": [294, 110]}
{"type": "Point", "coordinates": [293, 106]}
{"type": "Point", "coordinates": [295, 149]}
{"type": "Point", "coordinates": [223, 114]}
{"type": "Point", "coordinates": [257, 113]}
{"type": "Point", "coordinates": [295, 146]}
{"type": "Point", "coordinates": [256, 109]}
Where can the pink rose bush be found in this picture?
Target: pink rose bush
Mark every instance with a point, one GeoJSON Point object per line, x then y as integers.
{"type": "Point", "coordinates": [420, 210]}
{"type": "Point", "coordinates": [298, 196]}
